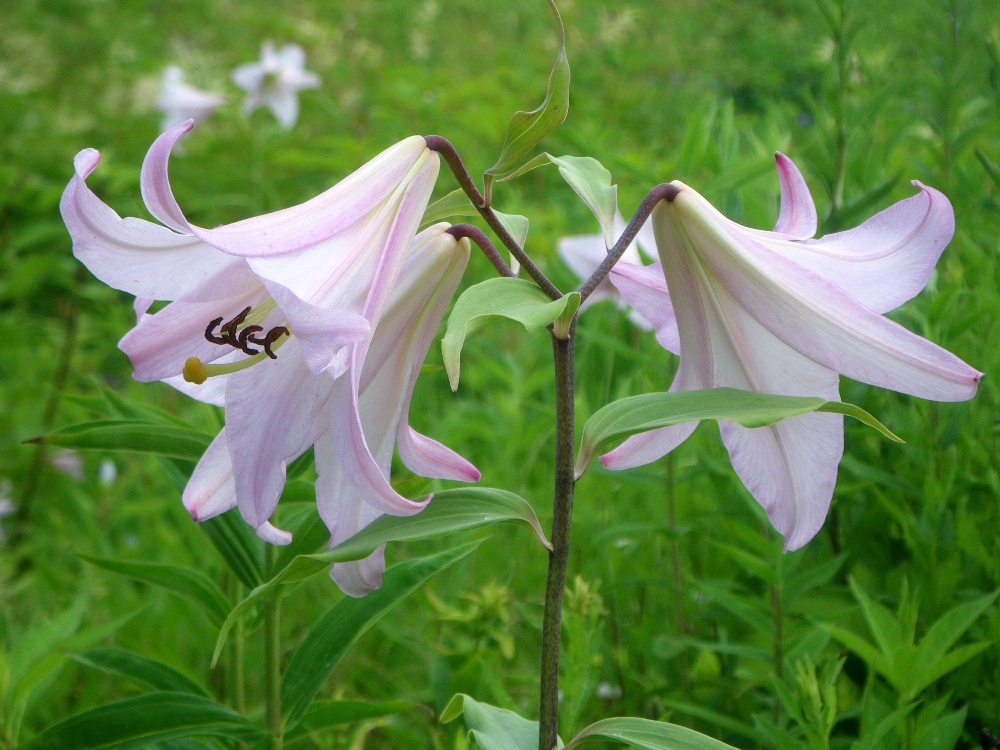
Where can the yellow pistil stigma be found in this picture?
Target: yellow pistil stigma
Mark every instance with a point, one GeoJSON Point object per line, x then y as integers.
{"type": "Point", "coordinates": [194, 371]}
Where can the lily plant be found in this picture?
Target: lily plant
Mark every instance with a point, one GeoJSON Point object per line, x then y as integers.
{"type": "Point", "coordinates": [310, 325]}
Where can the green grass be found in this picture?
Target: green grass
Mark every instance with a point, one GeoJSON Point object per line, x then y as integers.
{"type": "Point", "coordinates": [702, 91]}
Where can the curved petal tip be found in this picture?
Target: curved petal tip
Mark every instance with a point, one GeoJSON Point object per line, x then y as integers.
{"type": "Point", "coordinates": [273, 535]}
{"type": "Point", "coordinates": [86, 161]}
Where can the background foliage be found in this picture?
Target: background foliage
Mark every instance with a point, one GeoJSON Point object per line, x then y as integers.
{"type": "Point", "coordinates": [683, 607]}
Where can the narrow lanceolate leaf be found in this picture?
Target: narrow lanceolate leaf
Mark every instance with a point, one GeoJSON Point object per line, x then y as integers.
{"type": "Point", "coordinates": [495, 299]}
{"type": "Point", "coordinates": [330, 638]}
{"type": "Point", "coordinates": [456, 203]}
{"type": "Point", "coordinates": [592, 182]}
{"type": "Point", "coordinates": [636, 414]}
{"type": "Point", "coordinates": [190, 584]}
{"type": "Point", "coordinates": [648, 735]}
{"type": "Point", "coordinates": [143, 721]}
{"type": "Point", "coordinates": [130, 435]}
{"type": "Point", "coordinates": [336, 713]}
{"type": "Point", "coordinates": [493, 728]}
{"type": "Point", "coordinates": [147, 671]}
{"type": "Point", "coordinates": [449, 512]}
{"type": "Point", "coordinates": [526, 129]}
{"type": "Point", "coordinates": [237, 544]}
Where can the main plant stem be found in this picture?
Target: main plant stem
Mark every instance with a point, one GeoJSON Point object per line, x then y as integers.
{"type": "Point", "coordinates": [272, 660]}
{"type": "Point", "coordinates": [562, 513]}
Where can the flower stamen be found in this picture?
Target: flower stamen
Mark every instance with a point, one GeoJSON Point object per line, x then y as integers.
{"type": "Point", "coordinates": [210, 335]}
{"type": "Point", "coordinates": [197, 372]}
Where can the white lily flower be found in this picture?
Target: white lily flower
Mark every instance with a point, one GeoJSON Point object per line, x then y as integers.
{"type": "Point", "coordinates": [180, 101]}
{"type": "Point", "coordinates": [275, 81]}
{"type": "Point", "coordinates": [780, 313]}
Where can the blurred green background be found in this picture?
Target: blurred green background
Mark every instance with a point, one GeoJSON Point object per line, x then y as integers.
{"type": "Point", "coordinates": [682, 606]}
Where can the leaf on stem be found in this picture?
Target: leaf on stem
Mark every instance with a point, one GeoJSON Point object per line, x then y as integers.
{"type": "Point", "coordinates": [493, 728]}
{"type": "Point", "coordinates": [589, 179]}
{"type": "Point", "coordinates": [337, 713]}
{"type": "Point", "coordinates": [330, 638]}
{"type": "Point", "coordinates": [145, 720]}
{"type": "Point", "coordinates": [650, 411]}
{"type": "Point", "coordinates": [647, 735]}
{"type": "Point", "coordinates": [130, 435]}
{"type": "Point", "coordinates": [515, 299]}
{"type": "Point", "coordinates": [450, 511]}
{"type": "Point", "coordinates": [190, 584]}
{"type": "Point", "coordinates": [526, 129]}
{"type": "Point", "coordinates": [456, 203]}
{"type": "Point", "coordinates": [139, 668]}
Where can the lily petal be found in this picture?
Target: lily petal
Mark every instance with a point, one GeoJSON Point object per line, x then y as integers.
{"type": "Point", "coordinates": [130, 254]}
{"type": "Point", "coordinates": [274, 411]}
{"type": "Point", "coordinates": [797, 216]}
{"type": "Point", "coordinates": [888, 259]}
{"type": "Point", "coordinates": [212, 488]}
{"type": "Point", "coordinates": [345, 514]}
{"type": "Point", "coordinates": [819, 319]}
{"type": "Point", "coordinates": [644, 288]}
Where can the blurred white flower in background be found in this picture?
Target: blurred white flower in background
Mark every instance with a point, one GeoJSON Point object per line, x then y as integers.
{"type": "Point", "coordinates": [608, 692]}
{"type": "Point", "coordinates": [7, 506]}
{"type": "Point", "coordinates": [69, 463]}
{"type": "Point", "coordinates": [179, 101]}
{"type": "Point", "coordinates": [107, 472]}
{"type": "Point", "coordinates": [275, 81]}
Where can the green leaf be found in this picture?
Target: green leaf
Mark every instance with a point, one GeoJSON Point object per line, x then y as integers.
{"type": "Point", "coordinates": [990, 166]}
{"type": "Point", "coordinates": [636, 414]}
{"type": "Point", "coordinates": [515, 224]}
{"type": "Point", "coordinates": [494, 299]}
{"type": "Point", "coordinates": [310, 535]}
{"type": "Point", "coordinates": [450, 511]}
{"type": "Point", "coordinates": [493, 728]}
{"type": "Point", "coordinates": [330, 638]}
{"type": "Point", "coordinates": [190, 584]}
{"type": "Point", "coordinates": [648, 735]}
{"type": "Point", "coordinates": [149, 672]}
{"type": "Point", "coordinates": [140, 722]}
{"type": "Point", "coordinates": [42, 639]}
{"type": "Point", "coordinates": [456, 203]}
{"type": "Point", "coordinates": [881, 621]}
{"type": "Point", "coordinates": [238, 545]}
{"type": "Point", "coordinates": [130, 435]}
{"type": "Point", "coordinates": [714, 717]}
{"type": "Point", "coordinates": [943, 734]}
{"type": "Point", "coordinates": [589, 179]}
{"type": "Point", "coordinates": [592, 182]}
{"type": "Point", "coordinates": [952, 660]}
{"type": "Point", "coordinates": [526, 129]}
{"type": "Point", "coordinates": [947, 630]}
{"type": "Point", "coordinates": [890, 722]}
{"type": "Point", "coordinates": [336, 713]}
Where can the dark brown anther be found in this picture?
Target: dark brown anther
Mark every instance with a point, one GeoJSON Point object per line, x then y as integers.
{"type": "Point", "coordinates": [210, 333]}
{"type": "Point", "coordinates": [229, 329]}
{"type": "Point", "coordinates": [244, 335]}
{"type": "Point", "coordinates": [273, 335]}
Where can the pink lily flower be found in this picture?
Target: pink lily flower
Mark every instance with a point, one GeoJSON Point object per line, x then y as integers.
{"type": "Point", "coordinates": [282, 304]}
{"type": "Point", "coordinates": [347, 503]}
{"type": "Point", "coordinates": [778, 312]}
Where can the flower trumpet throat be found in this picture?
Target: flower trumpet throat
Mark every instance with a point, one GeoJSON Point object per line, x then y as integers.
{"type": "Point", "coordinates": [230, 334]}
